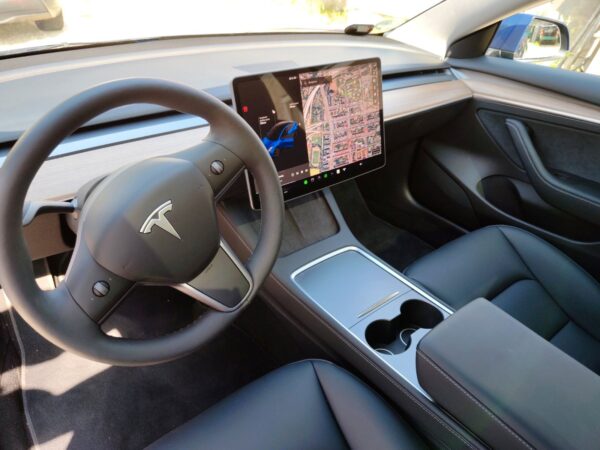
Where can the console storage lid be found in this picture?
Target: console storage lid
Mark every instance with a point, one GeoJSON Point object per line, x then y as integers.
{"type": "Point", "coordinates": [508, 385]}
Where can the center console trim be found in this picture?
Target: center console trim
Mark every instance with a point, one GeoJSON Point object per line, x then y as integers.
{"type": "Point", "coordinates": [377, 262]}
{"type": "Point", "coordinates": [376, 306]}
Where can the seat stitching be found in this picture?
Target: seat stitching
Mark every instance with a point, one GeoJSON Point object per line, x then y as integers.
{"type": "Point", "coordinates": [371, 391]}
{"type": "Point", "coordinates": [503, 286]}
{"type": "Point", "coordinates": [567, 319]}
{"type": "Point", "coordinates": [493, 297]}
{"type": "Point", "coordinates": [511, 245]}
{"type": "Point", "coordinates": [558, 331]}
{"type": "Point", "coordinates": [328, 403]}
{"type": "Point", "coordinates": [473, 399]}
{"type": "Point", "coordinates": [563, 255]}
{"type": "Point", "coordinates": [511, 284]}
{"type": "Point", "coordinates": [558, 305]}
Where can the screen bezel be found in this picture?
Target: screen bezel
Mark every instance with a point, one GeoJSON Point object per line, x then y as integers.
{"type": "Point", "coordinates": [297, 188]}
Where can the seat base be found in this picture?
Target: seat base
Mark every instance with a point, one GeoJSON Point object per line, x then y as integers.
{"type": "Point", "coordinates": [310, 404]}
{"type": "Point", "coordinates": [526, 277]}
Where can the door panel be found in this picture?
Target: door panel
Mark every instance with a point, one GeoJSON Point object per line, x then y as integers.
{"type": "Point", "coordinates": [571, 193]}
{"type": "Point", "coordinates": [563, 144]}
{"type": "Point", "coordinates": [520, 200]}
{"type": "Point", "coordinates": [521, 164]}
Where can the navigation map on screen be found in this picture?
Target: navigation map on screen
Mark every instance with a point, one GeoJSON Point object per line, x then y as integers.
{"type": "Point", "coordinates": [320, 125]}
{"type": "Point", "coordinates": [341, 109]}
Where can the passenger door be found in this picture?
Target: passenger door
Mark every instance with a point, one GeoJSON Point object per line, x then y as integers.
{"type": "Point", "coordinates": [524, 152]}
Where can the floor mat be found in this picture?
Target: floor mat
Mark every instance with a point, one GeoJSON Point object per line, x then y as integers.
{"type": "Point", "coordinates": [395, 246]}
{"type": "Point", "coordinates": [79, 404]}
{"type": "Point", "coordinates": [13, 432]}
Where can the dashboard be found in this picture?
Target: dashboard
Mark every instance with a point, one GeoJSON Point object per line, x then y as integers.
{"type": "Point", "coordinates": [413, 82]}
{"type": "Point", "coordinates": [414, 86]}
{"type": "Point", "coordinates": [31, 85]}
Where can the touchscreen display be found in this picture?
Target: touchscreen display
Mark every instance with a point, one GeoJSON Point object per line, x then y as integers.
{"type": "Point", "coordinates": [321, 125]}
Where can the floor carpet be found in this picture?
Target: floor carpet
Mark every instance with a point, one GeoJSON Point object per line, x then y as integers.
{"type": "Point", "coordinates": [79, 404]}
{"type": "Point", "coordinates": [395, 246]}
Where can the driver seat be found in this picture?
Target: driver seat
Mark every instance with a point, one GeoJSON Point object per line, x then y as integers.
{"type": "Point", "coordinates": [309, 404]}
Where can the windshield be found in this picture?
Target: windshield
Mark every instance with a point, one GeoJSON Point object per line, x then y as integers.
{"type": "Point", "coordinates": [30, 25]}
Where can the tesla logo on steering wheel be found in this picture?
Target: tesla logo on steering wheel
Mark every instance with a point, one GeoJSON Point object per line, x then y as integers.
{"type": "Point", "coordinates": [158, 218]}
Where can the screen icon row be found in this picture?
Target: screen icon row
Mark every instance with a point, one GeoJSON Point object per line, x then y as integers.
{"type": "Point", "coordinates": [324, 176]}
{"type": "Point", "coordinates": [299, 172]}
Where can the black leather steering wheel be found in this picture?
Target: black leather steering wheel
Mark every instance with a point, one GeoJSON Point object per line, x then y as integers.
{"type": "Point", "coordinates": [151, 222]}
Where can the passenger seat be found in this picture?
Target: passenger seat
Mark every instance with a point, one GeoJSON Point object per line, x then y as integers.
{"type": "Point", "coordinates": [526, 277]}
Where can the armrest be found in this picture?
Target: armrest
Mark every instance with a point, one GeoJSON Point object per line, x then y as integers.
{"type": "Point", "coordinates": [508, 385]}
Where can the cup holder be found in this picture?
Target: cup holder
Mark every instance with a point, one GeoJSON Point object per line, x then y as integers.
{"type": "Point", "coordinates": [392, 337]}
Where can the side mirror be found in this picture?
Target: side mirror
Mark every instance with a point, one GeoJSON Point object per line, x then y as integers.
{"type": "Point", "coordinates": [530, 38]}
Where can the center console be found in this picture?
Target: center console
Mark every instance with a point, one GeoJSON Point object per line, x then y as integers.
{"type": "Point", "coordinates": [510, 385]}
{"type": "Point", "coordinates": [322, 126]}
{"type": "Point", "coordinates": [384, 311]}
{"type": "Point", "coordinates": [362, 310]}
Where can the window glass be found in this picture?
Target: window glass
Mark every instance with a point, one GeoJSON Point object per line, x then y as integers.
{"type": "Point", "coordinates": [43, 25]}
{"type": "Point", "coordinates": [582, 18]}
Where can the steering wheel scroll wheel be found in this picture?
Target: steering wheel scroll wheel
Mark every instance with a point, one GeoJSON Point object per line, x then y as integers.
{"type": "Point", "coordinates": [153, 222]}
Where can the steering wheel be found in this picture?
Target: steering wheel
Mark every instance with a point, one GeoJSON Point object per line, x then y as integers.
{"type": "Point", "coordinates": [152, 222]}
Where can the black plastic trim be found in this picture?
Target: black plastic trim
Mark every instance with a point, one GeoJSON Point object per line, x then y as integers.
{"type": "Point", "coordinates": [473, 45]}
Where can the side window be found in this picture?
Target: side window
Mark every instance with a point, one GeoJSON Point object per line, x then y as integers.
{"type": "Point", "coordinates": [564, 34]}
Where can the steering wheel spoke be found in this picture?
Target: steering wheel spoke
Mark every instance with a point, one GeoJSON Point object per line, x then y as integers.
{"type": "Point", "coordinates": [219, 165]}
{"type": "Point", "coordinates": [224, 286]}
{"type": "Point", "coordinates": [95, 289]}
{"type": "Point", "coordinates": [38, 208]}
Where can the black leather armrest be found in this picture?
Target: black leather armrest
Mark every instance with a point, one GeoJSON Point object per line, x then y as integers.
{"type": "Point", "coordinates": [506, 384]}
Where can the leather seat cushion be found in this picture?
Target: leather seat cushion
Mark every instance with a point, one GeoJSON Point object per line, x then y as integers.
{"type": "Point", "coordinates": [310, 404]}
{"type": "Point", "coordinates": [526, 277]}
